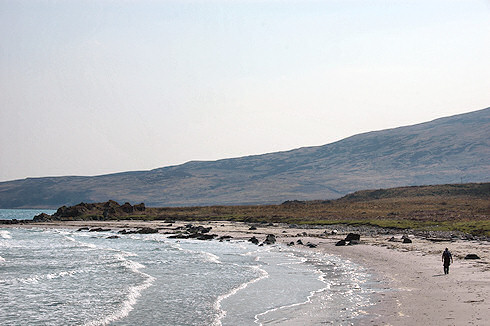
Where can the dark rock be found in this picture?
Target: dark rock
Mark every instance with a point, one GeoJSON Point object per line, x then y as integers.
{"type": "Point", "coordinates": [139, 207]}
{"type": "Point", "coordinates": [311, 245]}
{"type": "Point", "coordinates": [270, 239]}
{"type": "Point", "coordinates": [225, 238]}
{"type": "Point", "coordinates": [407, 240]}
{"type": "Point", "coordinates": [206, 236]}
{"type": "Point", "coordinates": [354, 242]}
{"type": "Point", "coordinates": [99, 230]}
{"type": "Point", "coordinates": [300, 242]}
{"type": "Point", "coordinates": [42, 217]}
{"type": "Point", "coordinates": [198, 229]}
{"type": "Point", "coordinates": [179, 236]}
{"type": "Point", "coordinates": [113, 237]}
{"type": "Point", "coordinates": [392, 239]}
{"type": "Point", "coordinates": [341, 243]}
{"type": "Point", "coordinates": [253, 228]}
{"type": "Point", "coordinates": [127, 208]}
{"type": "Point", "coordinates": [83, 229]}
{"type": "Point", "coordinates": [353, 236]}
{"type": "Point", "coordinates": [146, 230]}
{"type": "Point", "coordinates": [254, 240]}
{"type": "Point", "coordinates": [291, 244]}
{"type": "Point", "coordinates": [472, 256]}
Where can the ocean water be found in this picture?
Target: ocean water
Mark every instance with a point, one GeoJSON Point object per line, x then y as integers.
{"type": "Point", "coordinates": [65, 277]}
{"type": "Point", "coordinates": [23, 214]}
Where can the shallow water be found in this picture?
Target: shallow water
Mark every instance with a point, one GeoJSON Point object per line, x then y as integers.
{"type": "Point", "coordinates": [59, 277]}
{"type": "Point", "coordinates": [22, 214]}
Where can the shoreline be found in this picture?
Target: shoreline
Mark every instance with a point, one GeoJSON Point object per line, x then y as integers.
{"type": "Point", "coordinates": [417, 290]}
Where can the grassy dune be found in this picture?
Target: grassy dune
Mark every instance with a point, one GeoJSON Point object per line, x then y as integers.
{"type": "Point", "coordinates": [455, 207]}
{"type": "Point", "coordinates": [461, 207]}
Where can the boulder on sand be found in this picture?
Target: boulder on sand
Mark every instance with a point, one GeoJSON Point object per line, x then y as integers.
{"type": "Point", "coordinates": [270, 239]}
{"type": "Point", "coordinates": [341, 243]}
{"type": "Point", "coordinates": [353, 236]}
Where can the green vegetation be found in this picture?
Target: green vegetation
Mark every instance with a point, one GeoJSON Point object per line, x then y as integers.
{"type": "Point", "coordinates": [464, 208]}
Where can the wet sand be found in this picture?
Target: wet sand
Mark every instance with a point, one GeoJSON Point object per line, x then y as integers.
{"type": "Point", "coordinates": [416, 291]}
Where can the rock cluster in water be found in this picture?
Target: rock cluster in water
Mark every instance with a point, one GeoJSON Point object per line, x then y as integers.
{"type": "Point", "coordinates": [92, 211]}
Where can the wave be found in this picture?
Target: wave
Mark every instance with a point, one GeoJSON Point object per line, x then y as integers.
{"type": "Point", "coordinates": [134, 292]}
{"type": "Point", "coordinates": [207, 256]}
{"type": "Point", "coordinates": [36, 278]}
{"type": "Point", "coordinates": [5, 234]}
{"type": "Point", "coordinates": [217, 304]}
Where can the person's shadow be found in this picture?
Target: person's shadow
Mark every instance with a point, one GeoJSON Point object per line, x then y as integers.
{"type": "Point", "coordinates": [438, 275]}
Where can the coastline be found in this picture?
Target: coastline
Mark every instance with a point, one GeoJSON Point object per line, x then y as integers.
{"type": "Point", "coordinates": [416, 290]}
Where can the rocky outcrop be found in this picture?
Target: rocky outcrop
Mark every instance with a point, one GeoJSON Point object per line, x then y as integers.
{"type": "Point", "coordinates": [43, 217]}
{"type": "Point", "coordinates": [194, 232]}
{"type": "Point", "coordinates": [472, 256]}
{"type": "Point", "coordinates": [93, 211]}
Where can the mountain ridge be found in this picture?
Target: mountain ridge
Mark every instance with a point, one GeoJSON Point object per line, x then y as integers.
{"type": "Point", "coordinates": [444, 150]}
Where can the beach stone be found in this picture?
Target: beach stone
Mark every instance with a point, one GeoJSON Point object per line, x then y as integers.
{"type": "Point", "coordinates": [253, 228]}
{"type": "Point", "coordinates": [341, 243]}
{"type": "Point", "coordinates": [254, 240]}
{"type": "Point", "coordinates": [354, 242]}
{"type": "Point", "coordinates": [291, 244]}
{"type": "Point", "coordinates": [113, 237]}
{"type": "Point", "coordinates": [406, 240]}
{"type": "Point", "coordinates": [146, 230]}
{"type": "Point", "coordinates": [472, 256]}
{"type": "Point", "coordinates": [225, 238]}
{"type": "Point", "coordinates": [83, 229]}
{"type": "Point", "coordinates": [311, 245]}
{"type": "Point", "coordinates": [353, 236]}
{"type": "Point", "coordinates": [392, 239]}
{"type": "Point", "coordinates": [179, 236]}
{"type": "Point", "coordinates": [206, 236]}
{"type": "Point", "coordinates": [300, 242]}
{"type": "Point", "coordinates": [270, 239]}
{"type": "Point", "coordinates": [99, 230]}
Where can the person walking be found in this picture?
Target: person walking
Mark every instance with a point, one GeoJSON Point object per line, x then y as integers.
{"type": "Point", "coordinates": [447, 259]}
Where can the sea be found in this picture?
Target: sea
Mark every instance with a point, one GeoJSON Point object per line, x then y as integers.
{"type": "Point", "coordinates": [70, 277]}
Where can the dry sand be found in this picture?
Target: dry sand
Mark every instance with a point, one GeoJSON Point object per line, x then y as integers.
{"type": "Point", "coordinates": [418, 292]}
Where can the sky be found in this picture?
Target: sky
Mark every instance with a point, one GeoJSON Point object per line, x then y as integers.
{"type": "Point", "coordinates": [95, 87]}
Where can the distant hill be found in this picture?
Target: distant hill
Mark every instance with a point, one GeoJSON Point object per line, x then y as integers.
{"type": "Point", "coordinates": [443, 151]}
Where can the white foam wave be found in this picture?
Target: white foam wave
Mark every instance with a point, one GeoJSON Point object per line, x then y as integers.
{"type": "Point", "coordinates": [5, 234]}
{"type": "Point", "coordinates": [2, 259]}
{"type": "Point", "coordinates": [209, 257]}
{"type": "Point", "coordinates": [36, 278]}
{"type": "Point", "coordinates": [134, 292]}
{"type": "Point", "coordinates": [217, 304]}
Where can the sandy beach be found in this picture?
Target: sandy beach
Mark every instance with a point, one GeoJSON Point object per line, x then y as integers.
{"type": "Point", "coordinates": [415, 289]}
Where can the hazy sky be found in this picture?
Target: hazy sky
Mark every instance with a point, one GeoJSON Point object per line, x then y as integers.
{"type": "Point", "coordinates": [93, 87]}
